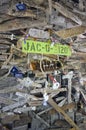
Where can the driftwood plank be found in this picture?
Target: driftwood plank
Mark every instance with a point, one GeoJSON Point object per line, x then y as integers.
{"type": "Point", "coordinates": [64, 108]}
{"type": "Point", "coordinates": [20, 24]}
{"type": "Point", "coordinates": [58, 109]}
{"type": "Point", "coordinates": [4, 17]}
{"type": "Point", "coordinates": [6, 101]}
{"type": "Point", "coordinates": [9, 118]}
{"type": "Point", "coordinates": [67, 13]}
{"type": "Point", "coordinates": [27, 13]}
{"type": "Point", "coordinates": [71, 32]}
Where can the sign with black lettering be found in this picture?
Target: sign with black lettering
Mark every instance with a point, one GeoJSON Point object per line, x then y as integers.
{"type": "Point", "coordinates": [31, 46]}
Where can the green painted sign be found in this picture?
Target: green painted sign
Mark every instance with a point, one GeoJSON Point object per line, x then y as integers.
{"type": "Point", "coordinates": [31, 46]}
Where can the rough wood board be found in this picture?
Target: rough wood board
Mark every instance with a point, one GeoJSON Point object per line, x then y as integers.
{"type": "Point", "coordinates": [27, 13]}
{"type": "Point", "coordinates": [65, 107]}
{"type": "Point", "coordinates": [20, 24]}
{"type": "Point", "coordinates": [6, 101]}
{"type": "Point", "coordinates": [67, 13]}
{"type": "Point", "coordinates": [5, 17]}
{"type": "Point", "coordinates": [9, 118]}
{"type": "Point", "coordinates": [58, 109]}
{"type": "Point", "coordinates": [71, 32]}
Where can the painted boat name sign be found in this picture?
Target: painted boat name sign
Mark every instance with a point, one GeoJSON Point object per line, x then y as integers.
{"type": "Point", "coordinates": [30, 46]}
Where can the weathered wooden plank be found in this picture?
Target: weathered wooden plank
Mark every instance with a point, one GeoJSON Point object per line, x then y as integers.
{"type": "Point", "coordinates": [67, 13]}
{"type": "Point", "coordinates": [8, 59]}
{"type": "Point", "coordinates": [9, 118]}
{"type": "Point", "coordinates": [73, 129]}
{"type": "Point", "coordinates": [24, 119]}
{"type": "Point", "coordinates": [71, 32]}
{"type": "Point", "coordinates": [35, 103]}
{"type": "Point", "coordinates": [20, 24]}
{"type": "Point", "coordinates": [4, 17]}
{"type": "Point", "coordinates": [26, 13]}
{"type": "Point", "coordinates": [43, 121]}
{"type": "Point", "coordinates": [24, 109]}
{"type": "Point", "coordinates": [14, 105]}
{"type": "Point", "coordinates": [6, 101]}
{"type": "Point", "coordinates": [68, 106]}
{"type": "Point", "coordinates": [11, 90]}
{"type": "Point", "coordinates": [4, 41]}
{"type": "Point", "coordinates": [64, 107]}
{"type": "Point", "coordinates": [48, 90]}
{"type": "Point", "coordinates": [50, 6]}
{"type": "Point", "coordinates": [3, 47]}
{"type": "Point", "coordinates": [58, 109]}
{"type": "Point", "coordinates": [3, 57]}
{"type": "Point", "coordinates": [79, 12]}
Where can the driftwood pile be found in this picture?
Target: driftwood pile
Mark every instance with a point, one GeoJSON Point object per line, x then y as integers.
{"type": "Point", "coordinates": [48, 88]}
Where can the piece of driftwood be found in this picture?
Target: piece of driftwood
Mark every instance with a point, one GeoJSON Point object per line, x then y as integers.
{"type": "Point", "coordinates": [68, 106]}
{"type": "Point", "coordinates": [8, 59]}
{"type": "Point", "coordinates": [24, 109]}
{"type": "Point", "coordinates": [35, 6]}
{"type": "Point", "coordinates": [35, 103]}
{"type": "Point", "coordinates": [38, 2]}
{"type": "Point", "coordinates": [10, 118]}
{"type": "Point", "coordinates": [73, 129]}
{"type": "Point", "coordinates": [71, 32]}
{"type": "Point", "coordinates": [56, 92]}
{"type": "Point", "coordinates": [3, 72]}
{"type": "Point", "coordinates": [81, 5]}
{"type": "Point", "coordinates": [26, 13]}
{"type": "Point", "coordinates": [79, 12]}
{"type": "Point", "coordinates": [4, 41]}
{"type": "Point", "coordinates": [17, 51]}
{"type": "Point", "coordinates": [58, 109]}
{"type": "Point", "coordinates": [12, 89]}
{"type": "Point", "coordinates": [3, 58]}
{"type": "Point", "coordinates": [3, 47]}
{"type": "Point", "coordinates": [50, 6]}
{"type": "Point", "coordinates": [83, 95]}
{"type": "Point", "coordinates": [6, 101]}
{"type": "Point", "coordinates": [5, 36]}
{"type": "Point", "coordinates": [48, 90]}
{"type": "Point", "coordinates": [28, 96]}
{"type": "Point", "coordinates": [41, 119]}
{"type": "Point", "coordinates": [14, 105]}
{"type": "Point", "coordinates": [69, 76]}
{"type": "Point", "coordinates": [17, 24]}
{"type": "Point", "coordinates": [67, 13]}
{"type": "Point", "coordinates": [24, 120]}
{"type": "Point", "coordinates": [4, 18]}
{"type": "Point", "coordinates": [64, 107]}
{"type": "Point", "coordinates": [80, 54]}
{"type": "Point", "coordinates": [62, 102]}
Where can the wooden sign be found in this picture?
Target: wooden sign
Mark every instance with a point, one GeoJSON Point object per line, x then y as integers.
{"type": "Point", "coordinates": [30, 46]}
